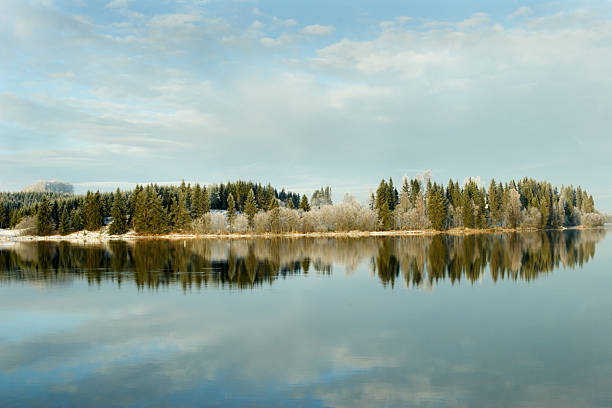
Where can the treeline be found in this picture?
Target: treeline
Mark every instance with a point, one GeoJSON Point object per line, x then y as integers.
{"type": "Point", "coordinates": [417, 261]}
{"type": "Point", "coordinates": [151, 209]}
{"type": "Point", "coordinates": [527, 203]}
{"type": "Point", "coordinates": [245, 207]}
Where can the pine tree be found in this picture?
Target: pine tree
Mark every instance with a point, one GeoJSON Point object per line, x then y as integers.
{"type": "Point", "coordinates": [43, 217]}
{"type": "Point", "coordinates": [64, 224]}
{"type": "Point", "coordinates": [197, 203]}
{"type": "Point", "coordinates": [180, 215]}
{"type": "Point", "coordinates": [467, 210]}
{"type": "Point", "coordinates": [481, 220]}
{"type": "Point", "coordinates": [3, 223]}
{"type": "Point", "coordinates": [304, 203]}
{"type": "Point", "coordinates": [93, 211]}
{"type": "Point", "coordinates": [494, 204]}
{"type": "Point", "coordinates": [382, 206]}
{"type": "Point", "coordinates": [118, 212]}
{"type": "Point", "coordinates": [250, 208]}
{"type": "Point", "coordinates": [156, 222]}
{"type": "Point", "coordinates": [205, 200]}
{"type": "Point", "coordinates": [76, 219]}
{"type": "Point", "coordinates": [436, 207]}
{"type": "Point", "coordinates": [231, 210]}
{"type": "Point", "coordinates": [392, 195]}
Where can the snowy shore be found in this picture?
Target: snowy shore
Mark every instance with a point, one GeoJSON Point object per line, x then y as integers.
{"type": "Point", "coordinates": [8, 236]}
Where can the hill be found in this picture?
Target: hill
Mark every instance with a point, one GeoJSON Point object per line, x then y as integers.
{"type": "Point", "coordinates": [54, 186]}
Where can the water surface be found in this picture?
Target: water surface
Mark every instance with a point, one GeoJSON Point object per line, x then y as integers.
{"type": "Point", "coordinates": [512, 320]}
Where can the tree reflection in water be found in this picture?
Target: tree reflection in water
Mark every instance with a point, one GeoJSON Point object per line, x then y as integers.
{"type": "Point", "coordinates": [419, 261]}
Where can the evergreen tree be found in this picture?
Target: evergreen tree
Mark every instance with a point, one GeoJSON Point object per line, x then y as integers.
{"type": "Point", "coordinates": [44, 223]}
{"type": "Point", "coordinates": [77, 222]}
{"type": "Point", "coordinates": [481, 220]}
{"type": "Point", "coordinates": [197, 203]}
{"type": "Point", "coordinates": [250, 208]}
{"type": "Point", "coordinates": [495, 205]}
{"type": "Point", "coordinates": [436, 207]}
{"type": "Point", "coordinates": [392, 195]}
{"type": "Point", "coordinates": [3, 223]}
{"type": "Point", "coordinates": [273, 204]}
{"type": "Point", "coordinates": [64, 224]}
{"type": "Point", "coordinates": [382, 206]}
{"type": "Point", "coordinates": [206, 202]}
{"type": "Point", "coordinates": [118, 212]}
{"type": "Point", "coordinates": [231, 210]}
{"type": "Point", "coordinates": [467, 210]}
{"type": "Point", "coordinates": [93, 211]}
{"type": "Point", "coordinates": [304, 203]}
{"type": "Point", "coordinates": [156, 220]}
{"type": "Point", "coordinates": [180, 215]}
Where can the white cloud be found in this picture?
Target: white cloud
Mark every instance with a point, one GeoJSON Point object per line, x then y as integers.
{"type": "Point", "coordinates": [256, 11]}
{"type": "Point", "coordinates": [117, 3]}
{"type": "Point", "coordinates": [290, 22]}
{"type": "Point", "coordinates": [522, 12]}
{"type": "Point", "coordinates": [477, 20]}
{"type": "Point", "coordinates": [317, 29]}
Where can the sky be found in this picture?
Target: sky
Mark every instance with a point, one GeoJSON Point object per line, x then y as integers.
{"type": "Point", "coordinates": [304, 94]}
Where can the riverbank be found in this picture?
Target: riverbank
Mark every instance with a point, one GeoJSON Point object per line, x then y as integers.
{"type": "Point", "coordinates": [7, 236]}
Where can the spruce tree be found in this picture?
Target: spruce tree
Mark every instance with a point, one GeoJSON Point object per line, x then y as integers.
{"type": "Point", "coordinates": [382, 206]}
{"type": "Point", "coordinates": [2, 215]}
{"type": "Point", "coordinates": [495, 207]}
{"type": "Point", "coordinates": [304, 203]}
{"type": "Point", "coordinates": [93, 211]}
{"type": "Point", "coordinates": [467, 210]}
{"type": "Point", "coordinates": [141, 211]}
{"type": "Point", "coordinates": [118, 212]}
{"type": "Point", "coordinates": [197, 203]}
{"type": "Point", "coordinates": [180, 215]}
{"type": "Point", "coordinates": [43, 217]}
{"type": "Point", "coordinates": [64, 224]}
{"type": "Point", "coordinates": [205, 200]}
{"type": "Point", "coordinates": [231, 210]}
{"type": "Point", "coordinates": [156, 222]}
{"type": "Point", "coordinates": [250, 207]}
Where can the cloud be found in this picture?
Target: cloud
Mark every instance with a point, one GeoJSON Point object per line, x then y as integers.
{"type": "Point", "coordinates": [522, 12]}
{"type": "Point", "coordinates": [290, 22]}
{"type": "Point", "coordinates": [317, 29]}
{"type": "Point", "coordinates": [477, 20]}
{"type": "Point", "coordinates": [193, 84]}
{"type": "Point", "coordinates": [117, 3]}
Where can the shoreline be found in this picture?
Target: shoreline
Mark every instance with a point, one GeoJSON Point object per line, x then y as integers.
{"type": "Point", "coordinates": [8, 236]}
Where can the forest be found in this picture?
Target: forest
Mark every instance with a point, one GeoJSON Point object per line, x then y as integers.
{"type": "Point", "coordinates": [247, 207]}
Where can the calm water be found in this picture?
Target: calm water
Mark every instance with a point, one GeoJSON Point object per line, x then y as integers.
{"type": "Point", "coordinates": [482, 321]}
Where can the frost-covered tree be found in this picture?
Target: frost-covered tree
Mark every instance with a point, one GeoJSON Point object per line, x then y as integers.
{"type": "Point", "coordinates": [513, 209]}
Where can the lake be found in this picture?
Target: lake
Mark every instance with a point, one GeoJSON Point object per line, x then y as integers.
{"type": "Point", "coordinates": [490, 320]}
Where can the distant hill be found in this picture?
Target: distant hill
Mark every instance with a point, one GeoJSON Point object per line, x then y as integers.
{"type": "Point", "coordinates": [54, 186]}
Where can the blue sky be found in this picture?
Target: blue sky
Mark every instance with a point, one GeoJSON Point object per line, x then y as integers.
{"type": "Point", "coordinates": [304, 94]}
